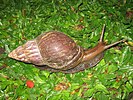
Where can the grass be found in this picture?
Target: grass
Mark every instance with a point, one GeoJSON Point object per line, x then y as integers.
{"type": "Point", "coordinates": [82, 20]}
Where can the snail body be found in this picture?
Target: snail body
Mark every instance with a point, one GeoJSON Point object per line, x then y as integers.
{"type": "Point", "coordinates": [56, 52]}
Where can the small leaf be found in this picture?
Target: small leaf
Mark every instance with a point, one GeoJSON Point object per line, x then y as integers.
{"type": "Point", "coordinates": [112, 68]}
{"type": "Point", "coordinates": [102, 62]}
{"type": "Point", "coordinates": [130, 43]}
{"type": "Point", "coordinates": [129, 87]}
{"type": "Point", "coordinates": [100, 87]}
{"type": "Point", "coordinates": [46, 73]}
{"type": "Point", "coordinates": [118, 51]}
{"type": "Point", "coordinates": [101, 96]}
{"type": "Point", "coordinates": [126, 56]}
{"type": "Point", "coordinates": [89, 92]}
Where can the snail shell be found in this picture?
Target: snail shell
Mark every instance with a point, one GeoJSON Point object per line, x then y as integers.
{"type": "Point", "coordinates": [54, 49]}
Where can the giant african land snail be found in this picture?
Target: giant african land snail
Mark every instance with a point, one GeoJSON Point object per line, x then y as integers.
{"type": "Point", "coordinates": [56, 52]}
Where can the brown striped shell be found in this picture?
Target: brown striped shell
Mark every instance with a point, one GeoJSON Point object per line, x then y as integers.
{"type": "Point", "coordinates": [53, 49]}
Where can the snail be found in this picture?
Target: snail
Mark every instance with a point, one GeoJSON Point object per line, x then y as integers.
{"type": "Point", "coordinates": [56, 52]}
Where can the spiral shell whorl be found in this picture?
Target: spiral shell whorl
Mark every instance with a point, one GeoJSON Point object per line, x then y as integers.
{"type": "Point", "coordinates": [58, 50]}
{"type": "Point", "coordinates": [28, 52]}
